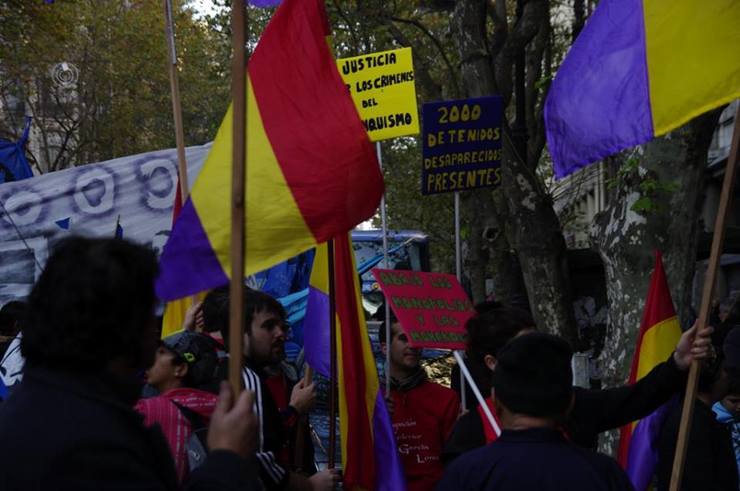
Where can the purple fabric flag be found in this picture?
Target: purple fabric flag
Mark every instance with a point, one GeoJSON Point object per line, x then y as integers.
{"type": "Point", "coordinates": [599, 102]}
{"type": "Point", "coordinates": [264, 3]}
{"type": "Point", "coordinates": [387, 460]}
{"type": "Point", "coordinates": [316, 331]}
{"type": "Point", "coordinates": [642, 458]}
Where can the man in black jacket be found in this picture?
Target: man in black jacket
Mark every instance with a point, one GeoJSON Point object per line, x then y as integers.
{"type": "Point", "coordinates": [532, 380]}
{"type": "Point", "coordinates": [89, 334]}
{"type": "Point", "coordinates": [594, 411]}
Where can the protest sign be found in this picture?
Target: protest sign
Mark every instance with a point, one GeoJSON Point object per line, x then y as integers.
{"type": "Point", "coordinates": [431, 307]}
{"type": "Point", "coordinates": [461, 144]}
{"type": "Point", "coordinates": [382, 87]}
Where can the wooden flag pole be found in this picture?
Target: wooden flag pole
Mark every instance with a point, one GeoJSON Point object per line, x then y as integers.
{"type": "Point", "coordinates": [182, 166]}
{"type": "Point", "coordinates": [332, 359]}
{"type": "Point", "coordinates": [718, 239]}
{"type": "Point", "coordinates": [182, 163]}
{"type": "Point", "coordinates": [238, 192]}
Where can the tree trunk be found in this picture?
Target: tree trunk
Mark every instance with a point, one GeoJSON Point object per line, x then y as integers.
{"type": "Point", "coordinates": [534, 230]}
{"type": "Point", "coordinates": [657, 206]}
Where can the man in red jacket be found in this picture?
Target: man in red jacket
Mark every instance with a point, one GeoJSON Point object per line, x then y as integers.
{"type": "Point", "coordinates": [423, 413]}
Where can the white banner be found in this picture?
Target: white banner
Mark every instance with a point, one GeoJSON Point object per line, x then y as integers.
{"type": "Point", "coordinates": [87, 200]}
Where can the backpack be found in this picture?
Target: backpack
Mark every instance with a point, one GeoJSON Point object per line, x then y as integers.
{"type": "Point", "coordinates": [197, 444]}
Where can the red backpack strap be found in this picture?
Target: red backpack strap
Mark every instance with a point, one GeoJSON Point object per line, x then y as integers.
{"type": "Point", "coordinates": [488, 430]}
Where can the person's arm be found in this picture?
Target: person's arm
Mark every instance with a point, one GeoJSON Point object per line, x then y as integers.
{"type": "Point", "coordinates": [595, 411]}
{"type": "Point", "coordinates": [606, 409]}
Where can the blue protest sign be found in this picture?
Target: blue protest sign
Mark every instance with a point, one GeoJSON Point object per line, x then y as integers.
{"type": "Point", "coordinates": [462, 144]}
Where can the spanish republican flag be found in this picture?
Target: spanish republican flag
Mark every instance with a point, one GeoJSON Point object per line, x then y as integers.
{"type": "Point", "coordinates": [312, 172]}
{"type": "Point", "coordinates": [639, 69]}
{"type": "Point", "coordinates": [370, 459]}
{"type": "Point", "coordinates": [659, 334]}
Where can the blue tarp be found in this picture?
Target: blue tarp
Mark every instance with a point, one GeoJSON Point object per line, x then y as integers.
{"type": "Point", "coordinates": [13, 163]}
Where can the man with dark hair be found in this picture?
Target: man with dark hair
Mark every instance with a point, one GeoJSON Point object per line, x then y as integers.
{"type": "Point", "coordinates": [423, 413]}
{"type": "Point", "coordinates": [265, 330]}
{"type": "Point", "coordinates": [184, 362]}
{"type": "Point", "coordinates": [593, 411]}
{"type": "Point", "coordinates": [532, 381]}
{"type": "Point", "coordinates": [90, 331]}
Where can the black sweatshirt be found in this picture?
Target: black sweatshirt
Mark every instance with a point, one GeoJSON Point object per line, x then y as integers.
{"type": "Point", "coordinates": [594, 411]}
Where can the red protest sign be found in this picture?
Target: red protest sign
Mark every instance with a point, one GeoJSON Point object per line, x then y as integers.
{"type": "Point", "coordinates": [431, 307]}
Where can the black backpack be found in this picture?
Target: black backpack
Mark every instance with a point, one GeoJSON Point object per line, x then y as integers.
{"type": "Point", "coordinates": [197, 444]}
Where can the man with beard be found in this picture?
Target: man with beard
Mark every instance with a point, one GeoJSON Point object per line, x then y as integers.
{"type": "Point", "coordinates": [423, 413]}
{"type": "Point", "coordinates": [265, 330]}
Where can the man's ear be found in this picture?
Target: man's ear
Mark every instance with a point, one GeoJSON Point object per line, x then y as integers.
{"type": "Point", "coordinates": [490, 361]}
{"type": "Point", "coordinates": [181, 370]}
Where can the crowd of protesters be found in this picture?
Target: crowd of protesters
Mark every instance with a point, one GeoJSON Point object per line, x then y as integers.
{"type": "Point", "coordinates": [86, 341]}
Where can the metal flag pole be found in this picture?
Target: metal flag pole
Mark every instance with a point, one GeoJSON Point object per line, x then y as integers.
{"type": "Point", "coordinates": [238, 191]}
{"type": "Point", "coordinates": [386, 265]}
{"type": "Point", "coordinates": [458, 272]}
{"type": "Point", "coordinates": [718, 239]}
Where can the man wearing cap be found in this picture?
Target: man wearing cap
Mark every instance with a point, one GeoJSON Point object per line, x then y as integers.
{"type": "Point", "coordinates": [532, 381]}
{"type": "Point", "coordinates": [183, 362]}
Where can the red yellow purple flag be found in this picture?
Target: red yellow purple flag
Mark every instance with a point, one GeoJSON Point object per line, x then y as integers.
{"type": "Point", "coordinates": [659, 334]}
{"type": "Point", "coordinates": [369, 457]}
{"type": "Point", "coordinates": [311, 174]}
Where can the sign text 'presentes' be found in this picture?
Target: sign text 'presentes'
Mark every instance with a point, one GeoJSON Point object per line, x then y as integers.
{"type": "Point", "coordinates": [461, 144]}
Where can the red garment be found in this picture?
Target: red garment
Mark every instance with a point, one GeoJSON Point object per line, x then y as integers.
{"type": "Point", "coordinates": [279, 389]}
{"type": "Point", "coordinates": [174, 424]}
{"type": "Point", "coordinates": [423, 418]}
{"type": "Point", "coordinates": [488, 430]}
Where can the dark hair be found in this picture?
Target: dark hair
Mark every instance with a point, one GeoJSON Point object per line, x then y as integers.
{"type": "Point", "coordinates": [11, 317]}
{"type": "Point", "coordinates": [216, 309]}
{"type": "Point", "coordinates": [92, 303]}
{"type": "Point", "coordinates": [733, 383]}
{"type": "Point", "coordinates": [493, 327]}
{"type": "Point", "coordinates": [533, 375]}
{"type": "Point", "coordinates": [381, 331]}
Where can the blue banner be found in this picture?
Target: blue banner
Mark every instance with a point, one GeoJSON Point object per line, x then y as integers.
{"type": "Point", "coordinates": [461, 144]}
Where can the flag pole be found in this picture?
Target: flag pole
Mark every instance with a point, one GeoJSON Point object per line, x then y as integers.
{"type": "Point", "coordinates": [458, 272]}
{"type": "Point", "coordinates": [182, 166]}
{"type": "Point", "coordinates": [332, 359]}
{"type": "Point", "coordinates": [238, 191]}
{"type": "Point", "coordinates": [718, 239]}
{"type": "Point", "coordinates": [386, 265]}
